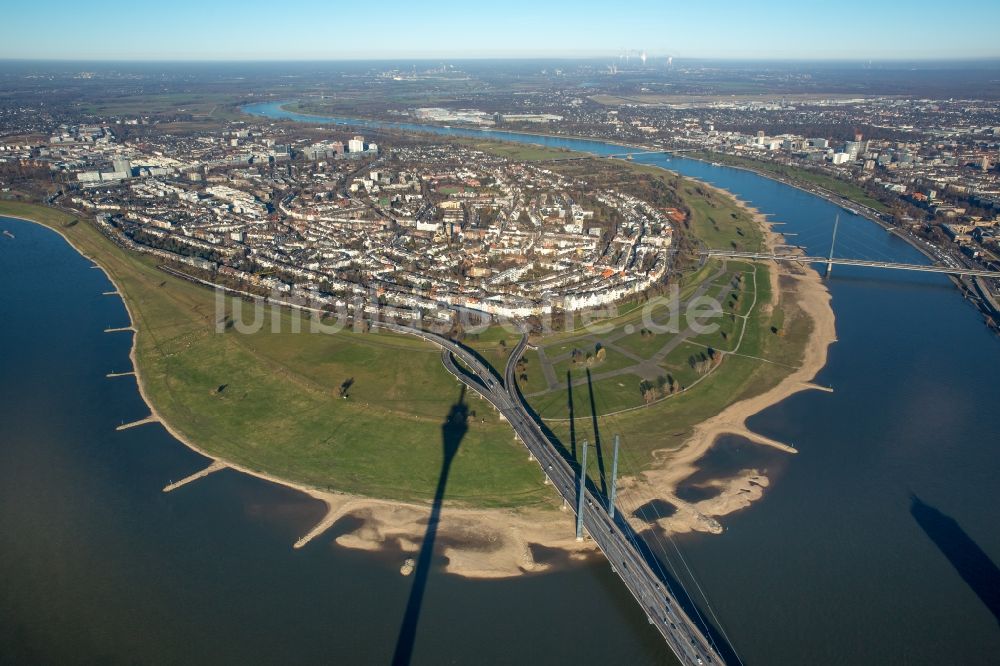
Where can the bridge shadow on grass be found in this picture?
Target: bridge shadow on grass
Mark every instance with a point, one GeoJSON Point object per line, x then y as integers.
{"type": "Point", "coordinates": [970, 561]}
{"type": "Point", "coordinates": [597, 438]}
{"type": "Point", "coordinates": [449, 360]}
{"type": "Point", "coordinates": [452, 432]}
{"type": "Point", "coordinates": [572, 416]}
{"type": "Point", "coordinates": [497, 374]}
{"type": "Point", "coordinates": [546, 431]}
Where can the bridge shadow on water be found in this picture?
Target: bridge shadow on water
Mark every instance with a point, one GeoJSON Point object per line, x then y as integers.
{"type": "Point", "coordinates": [902, 281]}
{"type": "Point", "coordinates": [452, 432]}
{"type": "Point", "coordinates": [970, 561]}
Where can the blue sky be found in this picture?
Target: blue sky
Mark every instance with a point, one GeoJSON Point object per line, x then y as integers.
{"type": "Point", "coordinates": [291, 29]}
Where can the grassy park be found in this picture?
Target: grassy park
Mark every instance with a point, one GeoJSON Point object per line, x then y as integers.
{"type": "Point", "coordinates": [760, 338]}
{"type": "Point", "coordinates": [273, 401]}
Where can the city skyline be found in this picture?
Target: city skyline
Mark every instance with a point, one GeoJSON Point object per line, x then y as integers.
{"type": "Point", "coordinates": [852, 30]}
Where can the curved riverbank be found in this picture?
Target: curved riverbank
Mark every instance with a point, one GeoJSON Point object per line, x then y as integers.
{"type": "Point", "coordinates": [672, 468]}
{"type": "Point", "coordinates": [514, 562]}
{"type": "Point", "coordinates": [843, 202]}
{"type": "Point", "coordinates": [970, 287]}
{"type": "Point", "coordinates": [737, 492]}
{"type": "Point", "coordinates": [207, 572]}
{"type": "Point", "coordinates": [907, 427]}
{"type": "Point", "coordinates": [431, 127]}
{"type": "Point", "coordinates": [478, 543]}
{"type": "Point", "coordinates": [694, 449]}
{"type": "Point", "coordinates": [499, 543]}
{"type": "Point", "coordinates": [732, 419]}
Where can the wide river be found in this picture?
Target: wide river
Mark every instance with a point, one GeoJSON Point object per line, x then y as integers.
{"type": "Point", "coordinates": [875, 544]}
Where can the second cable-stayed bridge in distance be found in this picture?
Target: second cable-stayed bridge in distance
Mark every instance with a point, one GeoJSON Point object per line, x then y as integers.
{"type": "Point", "coordinates": [829, 261]}
{"type": "Point", "coordinates": [951, 267]}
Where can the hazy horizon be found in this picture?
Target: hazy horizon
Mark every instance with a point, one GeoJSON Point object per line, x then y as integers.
{"type": "Point", "coordinates": [653, 60]}
{"type": "Point", "coordinates": [309, 30]}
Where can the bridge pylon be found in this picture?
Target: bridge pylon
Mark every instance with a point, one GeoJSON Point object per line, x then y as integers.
{"type": "Point", "coordinates": [833, 241]}
{"type": "Point", "coordinates": [581, 493]}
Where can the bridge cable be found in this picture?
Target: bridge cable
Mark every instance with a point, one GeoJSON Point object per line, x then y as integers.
{"type": "Point", "coordinates": [628, 463]}
{"type": "Point", "coordinates": [582, 420]}
{"type": "Point", "coordinates": [626, 501]}
{"type": "Point", "coordinates": [634, 509]}
{"type": "Point", "coordinates": [624, 456]}
{"type": "Point", "coordinates": [694, 579]}
{"type": "Point", "coordinates": [630, 533]}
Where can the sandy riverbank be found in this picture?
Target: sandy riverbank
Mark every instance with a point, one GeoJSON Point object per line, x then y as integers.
{"type": "Point", "coordinates": [479, 543]}
{"type": "Point", "coordinates": [805, 286]}
{"type": "Point", "coordinates": [510, 532]}
{"type": "Point", "coordinates": [498, 543]}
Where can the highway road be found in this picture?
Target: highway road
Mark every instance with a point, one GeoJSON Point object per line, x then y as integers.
{"type": "Point", "coordinates": [614, 537]}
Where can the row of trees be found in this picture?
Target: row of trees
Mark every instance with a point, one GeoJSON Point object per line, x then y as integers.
{"type": "Point", "coordinates": [660, 387]}
{"type": "Point", "coordinates": [579, 357]}
{"type": "Point", "coordinates": [704, 362]}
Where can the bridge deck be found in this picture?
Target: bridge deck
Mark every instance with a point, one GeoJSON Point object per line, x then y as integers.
{"type": "Point", "coordinates": [614, 537]}
{"type": "Point", "coordinates": [804, 259]}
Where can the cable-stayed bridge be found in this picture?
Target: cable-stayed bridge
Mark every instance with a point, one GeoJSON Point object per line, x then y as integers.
{"type": "Point", "coordinates": [950, 267]}
{"type": "Point", "coordinates": [644, 577]}
{"type": "Point", "coordinates": [830, 261]}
